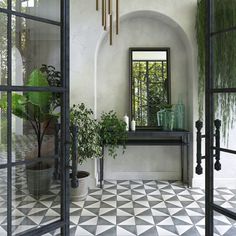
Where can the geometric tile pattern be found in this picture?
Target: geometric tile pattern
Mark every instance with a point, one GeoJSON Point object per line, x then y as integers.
{"type": "Point", "coordinates": [148, 208]}
{"type": "Point", "coordinates": [121, 208]}
{"type": "Point", "coordinates": [28, 212]}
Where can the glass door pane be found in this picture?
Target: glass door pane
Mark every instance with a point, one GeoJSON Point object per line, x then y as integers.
{"type": "Point", "coordinates": [224, 225]}
{"type": "Point", "coordinates": [40, 8]}
{"type": "Point", "coordinates": [35, 46]}
{"type": "Point", "coordinates": [3, 48]}
{"type": "Point", "coordinates": [3, 202]}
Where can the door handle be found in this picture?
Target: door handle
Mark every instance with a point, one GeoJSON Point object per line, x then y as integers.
{"type": "Point", "coordinates": [199, 125]}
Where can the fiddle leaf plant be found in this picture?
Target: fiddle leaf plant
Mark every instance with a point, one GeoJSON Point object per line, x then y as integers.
{"type": "Point", "coordinates": [89, 142]}
{"type": "Point", "coordinates": [33, 106]}
{"type": "Point", "coordinates": [112, 132]}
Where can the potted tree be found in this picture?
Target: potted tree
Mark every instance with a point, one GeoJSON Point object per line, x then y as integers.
{"type": "Point", "coordinates": [86, 141]}
{"type": "Point", "coordinates": [35, 107]}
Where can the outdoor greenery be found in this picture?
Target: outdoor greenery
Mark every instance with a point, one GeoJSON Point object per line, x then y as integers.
{"type": "Point", "coordinates": [150, 88]}
{"type": "Point", "coordinates": [224, 56]}
{"type": "Point", "coordinates": [34, 107]}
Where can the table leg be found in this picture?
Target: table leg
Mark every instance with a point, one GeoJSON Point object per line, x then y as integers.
{"type": "Point", "coordinates": [182, 159]}
{"type": "Point", "coordinates": [187, 154]}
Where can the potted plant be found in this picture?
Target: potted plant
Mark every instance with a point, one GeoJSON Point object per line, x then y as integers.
{"type": "Point", "coordinates": [88, 146]}
{"type": "Point", "coordinates": [112, 132]}
{"type": "Point", "coordinates": [35, 107]}
{"type": "Point", "coordinates": [89, 138]}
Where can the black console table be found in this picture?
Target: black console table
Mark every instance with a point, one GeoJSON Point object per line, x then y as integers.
{"type": "Point", "coordinates": [157, 138]}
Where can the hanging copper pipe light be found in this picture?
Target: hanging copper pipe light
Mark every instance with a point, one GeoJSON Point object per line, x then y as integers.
{"type": "Point", "coordinates": [107, 14]}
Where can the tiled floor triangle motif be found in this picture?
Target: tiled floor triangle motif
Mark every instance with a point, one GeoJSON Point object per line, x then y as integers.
{"type": "Point", "coordinates": [122, 208]}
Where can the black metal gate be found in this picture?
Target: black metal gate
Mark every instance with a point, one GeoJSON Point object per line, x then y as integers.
{"type": "Point", "coordinates": [34, 95]}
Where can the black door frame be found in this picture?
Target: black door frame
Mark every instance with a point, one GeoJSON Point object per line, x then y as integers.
{"type": "Point", "coordinates": [63, 223]}
{"type": "Point", "coordinates": [209, 118]}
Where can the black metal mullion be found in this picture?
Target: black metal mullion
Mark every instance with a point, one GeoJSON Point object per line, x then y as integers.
{"type": "Point", "coordinates": [230, 29]}
{"type": "Point", "coordinates": [224, 211]}
{"type": "Point", "coordinates": [30, 17]}
{"type": "Point", "coordinates": [148, 94]}
{"type": "Point", "coordinates": [9, 123]}
{"type": "Point", "coordinates": [65, 50]}
{"type": "Point", "coordinates": [9, 88]}
{"type": "Point", "coordinates": [209, 184]}
{"type": "Point", "coordinates": [223, 90]}
{"type": "Point", "coordinates": [44, 229]}
{"type": "Point", "coordinates": [27, 162]}
{"type": "Point", "coordinates": [225, 150]}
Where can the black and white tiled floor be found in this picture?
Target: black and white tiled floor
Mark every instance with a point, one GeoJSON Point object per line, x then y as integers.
{"type": "Point", "coordinates": [148, 208]}
{"type": "Point", "coordinates": [121, 208]}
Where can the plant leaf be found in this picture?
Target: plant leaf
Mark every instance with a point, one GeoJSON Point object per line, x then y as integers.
{"type": "Point", "coordinates": [40, 99]}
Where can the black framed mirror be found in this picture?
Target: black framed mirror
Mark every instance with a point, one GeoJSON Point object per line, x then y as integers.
{"type": "Point", "coordinates": [150, 84]}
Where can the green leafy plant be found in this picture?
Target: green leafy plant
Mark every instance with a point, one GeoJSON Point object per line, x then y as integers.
{"type": "Point", "coordinates": [55, 80]}
{"type": "Point", "coordinates": [89, 142]}
{"type": "Point", "coordinates": [224, 57]}
{"type": "Point", "coordinates": [34, 107]}
{"type": "Point", "coordinates": [112, 132]}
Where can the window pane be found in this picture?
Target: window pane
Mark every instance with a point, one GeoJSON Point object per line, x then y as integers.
{"type": "Point", "coordinates": [36, 197]}
{"type": "Point", "coordinates": [35, 115]}
{"type": "Point", "coordinates": [3, 202]}
{"type": "Point", "coordinates": [41, 8]}
{"type": "Point", "coordinates": [35, 44]}
{"type": "Point", "coordinates": [224, 225]}
{"type": "Point", "coordinates": [3, 3]}
{"type": "Point", "coordinates": [225, 110]}
{"type": "Point", "coordinates": [224, 55]}
{"type": "Point", "coordinates": [224, 14]}
{"type": "Point", "coordinates": [225, 196]}
{"type": "Point", "coordinates": [3, 49]}
{"type": "Point", "coordinates": [3, 128]}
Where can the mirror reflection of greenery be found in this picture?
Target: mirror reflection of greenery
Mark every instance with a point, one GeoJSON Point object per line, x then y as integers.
{"type": "Point", "coordinates": [150, 90]}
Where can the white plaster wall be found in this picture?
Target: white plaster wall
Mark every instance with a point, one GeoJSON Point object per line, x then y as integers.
{"type": "Point", "coordinates": [91, 82]}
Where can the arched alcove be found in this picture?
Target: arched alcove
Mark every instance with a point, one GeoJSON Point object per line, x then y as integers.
{"type": "Point", "coordinates": [111, 83]}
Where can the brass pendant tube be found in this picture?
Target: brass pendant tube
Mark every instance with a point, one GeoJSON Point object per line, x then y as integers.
{"type": "Point", "coordinates": [117, 16]}
{"type": "Point", "coordinates": [109, 6]}
{"type": "Point", "coordinates": [105, 15]}
{"type": "Point", "coordinates": [103, 8]}
{"type": "Point", "coordinates": [97, 5]}
{"type": "Point", "coordinates": [111, 29]}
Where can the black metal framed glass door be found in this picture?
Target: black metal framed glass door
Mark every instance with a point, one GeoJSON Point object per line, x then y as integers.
{"type": "Point", "coordinates": [220, 111]}
{"type": "Point", "coordinates": [34, 102]}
